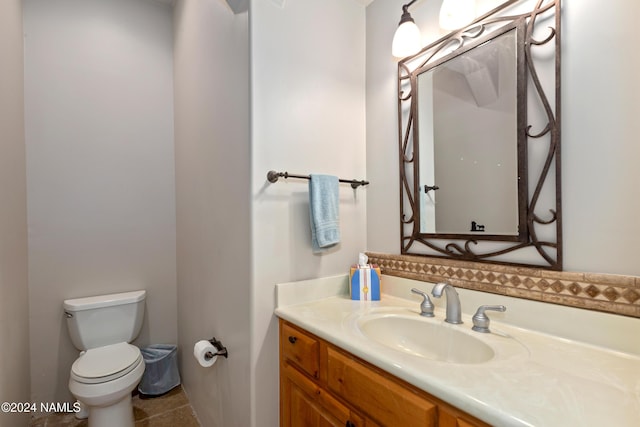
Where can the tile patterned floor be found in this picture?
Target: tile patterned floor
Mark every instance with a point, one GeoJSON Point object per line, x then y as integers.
{"type": "Point", "coordinates": [170, 410]}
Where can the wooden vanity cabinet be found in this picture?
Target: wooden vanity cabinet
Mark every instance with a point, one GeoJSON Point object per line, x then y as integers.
{"type": "Point", "coordinates": [322, 385]}
{"type": "Point", "coordinates": [303, 401]}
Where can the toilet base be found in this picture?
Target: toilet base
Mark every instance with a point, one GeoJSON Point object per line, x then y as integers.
{"type": "Point", "coordinates": [119, 414]}
{"type": "Point", "coordinates": [83, 413]}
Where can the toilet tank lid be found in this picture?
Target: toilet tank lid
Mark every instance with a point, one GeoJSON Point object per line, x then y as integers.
{"type": "Point", "coordinates": [88, 303]}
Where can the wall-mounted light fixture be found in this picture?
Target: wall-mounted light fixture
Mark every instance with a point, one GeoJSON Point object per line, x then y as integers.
{"type": "Point", "coordinates": [455, 14]}
{"type": "Point", "coordinates": [407, 39]}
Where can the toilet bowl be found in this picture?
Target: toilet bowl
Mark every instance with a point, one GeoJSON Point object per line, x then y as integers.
{"type": "Point", "coordinates": [103, 378]}
{"type": "Point", "coordinates": [108, 367]}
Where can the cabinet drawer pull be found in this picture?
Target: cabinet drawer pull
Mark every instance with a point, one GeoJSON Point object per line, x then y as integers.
{"type": "Point", "coordinates": [293, 339]}
{"type": "Point", "coordinates": [349, 424]}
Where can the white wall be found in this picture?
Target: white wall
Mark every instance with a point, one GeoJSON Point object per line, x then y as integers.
{"type": "Point", "coordinates": [14, 307]}
{"type": "Point", "coordinates": [308, 116]}
{"type": "Point", "coordinates": [100, 165]}
{"type": "Point", "coordinates": [600, 128]}
{"type": "Point", "coordinates": [600, 196]}
{"type": "Point", "coordinates": [213, 205]}
{"type": "Point", "coordinates": [383, 218]}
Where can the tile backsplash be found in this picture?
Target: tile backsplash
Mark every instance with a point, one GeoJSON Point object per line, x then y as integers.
{"type": "Point", "coordinates": [609, 293]}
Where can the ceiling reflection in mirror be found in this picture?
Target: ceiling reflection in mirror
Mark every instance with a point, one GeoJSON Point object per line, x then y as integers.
{"type": "Point", "coordinates": [479, 140]}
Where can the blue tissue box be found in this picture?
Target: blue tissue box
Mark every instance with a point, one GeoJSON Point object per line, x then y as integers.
{"type": "Point", "coordinates": [365, 282]}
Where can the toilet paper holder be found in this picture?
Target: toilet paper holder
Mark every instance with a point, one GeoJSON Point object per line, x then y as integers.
{"type": "Point", "coordinates": [222, 350]}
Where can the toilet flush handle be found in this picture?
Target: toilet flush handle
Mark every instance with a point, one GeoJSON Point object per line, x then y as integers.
{"type": "Point", "coordinates": [68, 315]}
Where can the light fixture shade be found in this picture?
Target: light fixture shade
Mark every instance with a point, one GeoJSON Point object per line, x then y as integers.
{"type": "Point", "coordinates": [455, 14]}
{"type": "Point", "coordinates": [407, 40]}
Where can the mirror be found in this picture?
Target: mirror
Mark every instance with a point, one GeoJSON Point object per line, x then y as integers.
{"type": "Point", "coordinates": [468, 122]}
{"type": "Point", "coordinates": [480, 140]}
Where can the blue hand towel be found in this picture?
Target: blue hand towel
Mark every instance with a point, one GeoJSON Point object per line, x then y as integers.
{"type": "Point", "coordinates": [323, 211]}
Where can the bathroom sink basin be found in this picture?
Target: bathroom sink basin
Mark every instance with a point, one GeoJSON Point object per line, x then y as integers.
{"type": "Point", "coordinates": [426, 339]}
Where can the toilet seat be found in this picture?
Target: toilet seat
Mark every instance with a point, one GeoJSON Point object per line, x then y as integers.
{"type": "Point", "coordinates": [107, 363]}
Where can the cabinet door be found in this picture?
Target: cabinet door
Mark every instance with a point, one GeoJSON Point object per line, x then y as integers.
{"type": "Point", "coordinates": [305, 404]}
{"type": "Point", "coordinates": [451, 417]}
{"type": "Point", "coordinates": [305, 412]}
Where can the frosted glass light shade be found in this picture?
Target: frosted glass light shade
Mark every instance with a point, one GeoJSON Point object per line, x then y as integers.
{"type": "Point", "coordinates": [455, 14]}
{"type": "Point", "coordinates": [407, 40]}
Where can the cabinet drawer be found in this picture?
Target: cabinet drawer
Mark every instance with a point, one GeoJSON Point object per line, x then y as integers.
{"type": "Point", "coordinates": [300, 349]}
{"type": "Point", "coordinates": [379, 397]}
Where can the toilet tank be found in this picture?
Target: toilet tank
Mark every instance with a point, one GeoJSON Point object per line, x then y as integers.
{"type": "Point", "coordinates": [104, 319]}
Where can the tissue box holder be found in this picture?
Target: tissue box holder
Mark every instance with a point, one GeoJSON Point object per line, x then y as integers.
{"type": "Point", "coordinates": [365, 282]}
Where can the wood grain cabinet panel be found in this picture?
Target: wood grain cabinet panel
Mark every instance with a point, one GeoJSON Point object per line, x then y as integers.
{"type": "Point", "coordinates": [308, 405]}
{"type": "Point", "coordinates": [322, 385]}
{"type": "Point", "coordinates": [301, 349]}
{"type": "Point", "coordinates": [380, 398]}
{"type": "Point", "coordinates": [448, 416]}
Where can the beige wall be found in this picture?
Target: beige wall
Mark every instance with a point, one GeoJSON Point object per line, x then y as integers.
{"type": "Point", "coordinates": [100, 165]}
{"type": "Point", "coordinates": [14, 320]}
{"type": "Point", "coordinates": [213, 205]}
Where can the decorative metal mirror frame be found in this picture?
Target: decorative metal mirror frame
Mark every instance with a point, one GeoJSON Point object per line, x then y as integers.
{"type": "Point", "coordinates": [459, 247]}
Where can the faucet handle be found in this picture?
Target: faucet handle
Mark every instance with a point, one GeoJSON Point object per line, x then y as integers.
{"type": "Point", "coordinates": [481, 320]}
{"type": "Point", "coordinates": [426, 308]}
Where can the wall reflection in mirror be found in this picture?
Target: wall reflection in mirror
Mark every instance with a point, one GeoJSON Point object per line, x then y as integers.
{"type": "Point", "coordinates": [470, 105]}
{"type": "Point", "coordinates": [467, 118]}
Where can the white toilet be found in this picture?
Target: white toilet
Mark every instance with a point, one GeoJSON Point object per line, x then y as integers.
{"type": "Point", "coordinates": [108, 368]}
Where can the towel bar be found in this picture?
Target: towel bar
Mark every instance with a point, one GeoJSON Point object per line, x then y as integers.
{"type": "Point", "coordinates": [272, 176]}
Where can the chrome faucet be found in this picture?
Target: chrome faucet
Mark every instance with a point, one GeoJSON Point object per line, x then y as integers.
{"type": "Point", "coordinates": [481, 320]}
{"type": "Point", "coordinates": [454, 312]}
{"type": "Point", "coordinates": [426, 308]}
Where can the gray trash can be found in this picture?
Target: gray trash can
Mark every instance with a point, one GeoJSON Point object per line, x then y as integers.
{"type": "Point", "coordinates": [161, 370]}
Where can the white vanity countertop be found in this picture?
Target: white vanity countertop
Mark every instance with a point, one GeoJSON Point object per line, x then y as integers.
{"type": "Point", "coordinates": [550, 381]}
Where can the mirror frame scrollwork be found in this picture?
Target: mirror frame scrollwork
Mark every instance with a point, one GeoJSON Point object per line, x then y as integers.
{"type": "Point", "coordinates": [539, 240]}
